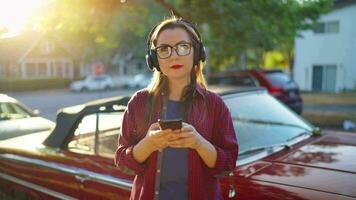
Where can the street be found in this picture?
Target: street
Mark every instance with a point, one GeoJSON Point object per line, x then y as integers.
{"type": "Point", "coordinates": [49, 101]}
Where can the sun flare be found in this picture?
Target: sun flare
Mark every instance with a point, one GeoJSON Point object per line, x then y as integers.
{"type": "Point", "coordinates": [16, 14]}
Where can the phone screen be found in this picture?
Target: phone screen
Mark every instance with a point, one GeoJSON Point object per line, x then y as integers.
{"type": "Point", "coordinates": [170, 124]}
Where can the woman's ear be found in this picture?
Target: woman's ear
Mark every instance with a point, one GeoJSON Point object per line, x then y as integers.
{"type": "Point", "coordinates": [196, 68]}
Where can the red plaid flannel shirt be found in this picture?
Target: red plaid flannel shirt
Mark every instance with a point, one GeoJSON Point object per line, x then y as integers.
{"type": "Point", "coordinates": [217, 128]}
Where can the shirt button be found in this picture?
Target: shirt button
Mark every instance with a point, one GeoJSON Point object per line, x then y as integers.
{"type": "Point", "coordinates": [158, 171]}
{"type": "Point", "coordinates": [156, 193]}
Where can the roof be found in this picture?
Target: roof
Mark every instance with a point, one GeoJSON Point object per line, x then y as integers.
{"type": "Point", "coordinates": [68, 118]}
{"type": "Point", "coordinates": [343, 3]}
{"type": "Point", "coordinates": [14, 48]}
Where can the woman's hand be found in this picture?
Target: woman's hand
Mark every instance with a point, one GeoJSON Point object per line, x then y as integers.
{"type": "Point", "coordinates": [187, 137]}
{"type": "Point", "coordinates": [158, 139]}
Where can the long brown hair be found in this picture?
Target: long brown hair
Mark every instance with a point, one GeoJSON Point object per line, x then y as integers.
{"type": "Point", "coordinates": [159, 83]}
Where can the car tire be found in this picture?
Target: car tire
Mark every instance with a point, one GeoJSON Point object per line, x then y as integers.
{"type": "Point", "coordinates": [84, 89]}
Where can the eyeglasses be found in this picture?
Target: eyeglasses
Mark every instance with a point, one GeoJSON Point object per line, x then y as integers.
{"type": "Point", "coordinates": [182, 49]}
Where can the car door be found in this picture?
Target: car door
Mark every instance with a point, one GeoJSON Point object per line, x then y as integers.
{"type": "Point", "coordinates": [95, 141]}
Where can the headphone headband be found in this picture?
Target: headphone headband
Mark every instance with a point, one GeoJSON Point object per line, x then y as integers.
{"type": "Point", "coordinates": [199, 52]}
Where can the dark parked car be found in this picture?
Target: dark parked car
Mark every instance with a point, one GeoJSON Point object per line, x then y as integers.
{"type": "Point", "coordinates": [278, 83]}
{"type": "Point", "coordinates": [16, 119]}
{"type": "Point", "coordinates": [281, 156]}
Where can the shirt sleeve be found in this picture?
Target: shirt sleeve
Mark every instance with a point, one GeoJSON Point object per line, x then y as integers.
{"type": "Point", "coordinates": [224, 140]}
{"type": "Point", "coordinates": [127, 140]}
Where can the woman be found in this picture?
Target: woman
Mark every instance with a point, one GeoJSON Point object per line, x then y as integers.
{"type": "Point", "coordinates": [176, 164]}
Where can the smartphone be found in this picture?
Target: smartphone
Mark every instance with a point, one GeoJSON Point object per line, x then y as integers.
{"type": "Point", "coordinates": [170, 124]}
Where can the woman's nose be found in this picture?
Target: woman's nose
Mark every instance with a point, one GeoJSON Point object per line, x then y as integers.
{"type": "Point", "coordinates": [174, 52]}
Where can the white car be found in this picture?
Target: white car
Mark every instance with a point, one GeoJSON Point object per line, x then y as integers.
{"type": "Point", "coordinates": [16, 119]}
{"type": "Point", "coordinates": [139, 81]}
{"type": "Point", "coordinates": [91, 83]}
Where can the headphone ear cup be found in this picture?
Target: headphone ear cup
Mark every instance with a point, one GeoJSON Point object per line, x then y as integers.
{"type": "Point", "coordinates": [152, 61]}
{"type": "Point", "coordinates": [202, 53]}
{"type": "Point", "coordinates": [199, 55]}
{"type": "Point", "coordinates": [149, 62]}
{"type": "Point", "coordinates": [155, 59]}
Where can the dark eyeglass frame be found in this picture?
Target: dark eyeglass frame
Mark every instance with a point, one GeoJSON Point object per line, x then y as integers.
{"type": "Point", "coordinates": [175, 47]}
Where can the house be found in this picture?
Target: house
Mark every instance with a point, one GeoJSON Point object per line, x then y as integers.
{"type": "Point", "coordinates": [34, 56]}
{"type": "Point", "coordinates": [325, 57]}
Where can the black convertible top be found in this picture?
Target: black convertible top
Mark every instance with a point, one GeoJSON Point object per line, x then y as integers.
{"type": "Point", "coordinates": [68, 117]}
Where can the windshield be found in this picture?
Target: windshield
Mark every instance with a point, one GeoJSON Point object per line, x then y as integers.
{"type": "Point", "coordinates": [260, 120]}
{"type": "Point", "coordinates": [280, 79]}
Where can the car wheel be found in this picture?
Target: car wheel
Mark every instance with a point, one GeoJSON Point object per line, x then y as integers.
{"type": "Point", "coordinates": [84, 89]}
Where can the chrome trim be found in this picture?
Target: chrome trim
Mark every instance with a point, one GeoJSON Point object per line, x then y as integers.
{"type": "Point", "coordinates": [89, 175]}
{"type": "Point", "coordinates": [269, 152]}
{"type": "Point", "coordinates": [36, 187]}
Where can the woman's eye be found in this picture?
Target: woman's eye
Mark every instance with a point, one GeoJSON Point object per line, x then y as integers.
{"type": "Point", "coordinates": [164, 49]}
{"type": "Point", "coordinates": [184, 46]}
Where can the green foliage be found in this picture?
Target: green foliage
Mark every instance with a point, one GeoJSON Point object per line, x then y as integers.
{"type": "Point", "coordinates": [236, 27]}
{"type": "Point", "coordinates": [99, 29]}
{"type": "Point", "coordinates": [34, 84]}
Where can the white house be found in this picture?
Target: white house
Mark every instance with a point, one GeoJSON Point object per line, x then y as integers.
{"type": "Point", "coordinates": [325, 58]}
{"type": "Point", "coordinates": [34, 56]}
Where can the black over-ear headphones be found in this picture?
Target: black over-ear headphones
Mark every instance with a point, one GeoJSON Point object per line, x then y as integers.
{"type": "Point", "coordinates": [199, 49]}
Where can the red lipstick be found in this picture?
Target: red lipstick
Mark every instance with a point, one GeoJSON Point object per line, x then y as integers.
{"type": "Point", "coordinates": [176, 66]}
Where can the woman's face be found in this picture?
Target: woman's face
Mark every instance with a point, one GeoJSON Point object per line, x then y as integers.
{"type": "Point", "coordinates": [175, 67]}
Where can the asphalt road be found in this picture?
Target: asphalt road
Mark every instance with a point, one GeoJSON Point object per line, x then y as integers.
{"type": "Point", "coordinates": [48, 102]}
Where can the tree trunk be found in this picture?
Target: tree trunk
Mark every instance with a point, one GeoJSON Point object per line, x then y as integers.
{"type": "Point", "coordinates": [243, 60]}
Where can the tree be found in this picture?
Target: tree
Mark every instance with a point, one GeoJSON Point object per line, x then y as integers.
{"type": "Point", "coordinates": [248, 27]}
{"type": "Point", "coordinates": [97, 30]}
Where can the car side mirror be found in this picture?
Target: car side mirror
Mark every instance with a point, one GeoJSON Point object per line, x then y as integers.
{"type": "Point", "coordinates": [36, 112]}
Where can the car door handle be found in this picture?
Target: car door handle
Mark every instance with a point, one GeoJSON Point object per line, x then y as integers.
{"type": "Point", "coordinates": [81, 177]}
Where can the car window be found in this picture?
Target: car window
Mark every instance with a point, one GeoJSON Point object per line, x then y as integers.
{"type": "Point", "coordinates": [240, 80]}
{"type": "Point", "coordinates": [278, 79]}
{"type": "Point", "coordinates": [12, 111]}
{"type": "Point", "coordinates": [253, 116]}
{"type": "Point", "coordinates": [104, 143]}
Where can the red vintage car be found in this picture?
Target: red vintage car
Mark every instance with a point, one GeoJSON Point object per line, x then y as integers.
{"type": "Point", "coordinates": [281, 155]}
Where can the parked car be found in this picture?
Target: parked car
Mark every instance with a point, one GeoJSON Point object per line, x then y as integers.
{"type": "Point", "coordinates": [278, 83]}
{"type": "Point", "coordinates": [139, 81]}
{"type": "Point", "coordinates": [16, 119]}
{"type": "Point", "coordinates": [281, 156]}
{"type": "Point", "coordinates": [90, 83]}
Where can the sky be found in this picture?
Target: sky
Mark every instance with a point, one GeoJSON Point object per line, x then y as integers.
{"type": "Point", "coordinates": [16, 14]}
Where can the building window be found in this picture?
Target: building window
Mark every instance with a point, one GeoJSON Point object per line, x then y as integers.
{"type": "Point", "coordinates": [68, 70]}
{"type": "Point", "coordinates": [47, 47]}
{"type": "Point", "coordinates": [327, 27]}
{"type": "Point", "coordinates": [42, 69]}
{"type": "Point", "coordinates": [30, 70]}
{"type": "Point", "coordinates": [59, 69]}
{"type": "Point", "coordinates": [324, 78]}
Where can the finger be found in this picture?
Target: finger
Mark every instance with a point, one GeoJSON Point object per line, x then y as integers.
{"type": "Point", "coordinates": [186, 128]}
{"type": "Point", "coordinates": [165, 132]}
{"type": "Point", "coordinates": [177, 145]}
{"type": "Point", "coordinates": [185, 124]}
{"type": "Point", "coordinates": [177, 131]}
{"type": "Point", "coordinates": [154, 126]}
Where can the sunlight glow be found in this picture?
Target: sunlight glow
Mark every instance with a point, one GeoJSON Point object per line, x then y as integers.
{"type": "Point", "coordinates": [16, 14]}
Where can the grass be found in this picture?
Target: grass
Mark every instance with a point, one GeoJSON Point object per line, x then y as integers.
{"type": "Point", "coordinates": [329, 120]}
{"type": "Point", "coordinates": [347, 98]}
